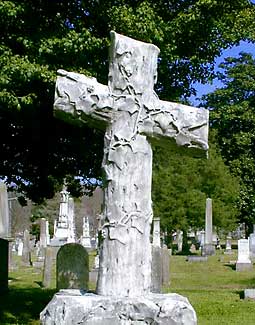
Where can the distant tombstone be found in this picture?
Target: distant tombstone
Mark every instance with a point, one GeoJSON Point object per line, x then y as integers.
{"type": "Point", "coordinates": [4, 258]}
{"type": "Point", "coordinates": [156, 269]}
{"type": "Point", "coordinates": [20, 248]}
{"type": "Point", "coordinates": [179, 240]}
{"type": "Point", "coordinates": [208, 248]}
{"type": "Point", "coordinates": [165, 266]}
{"type": "Point", "coordinates": [243, 261]}
{"type": "Point", "coordinates": [252, 244]}
{"type": "Point", "coordinates": [47, 233]}
{"type": "Point", "coordinates": [228, 249]}
{"type": "Point", "coordinates": [156, 232]}
{"type": "Point", "coordinates": [48, 266]}
{"type": "Point", "coordinates": [26, 252]}
{"type": "Point", "coordinates": [43, 233]}
{"type": "Point", "coordinates": [71, 224]}
{"type": "Point", "coordinates": [4, 212]}
{"type": "Point", "coordinates": [72, 267]}
{"type": "Point", "coordinates": [85, 239]}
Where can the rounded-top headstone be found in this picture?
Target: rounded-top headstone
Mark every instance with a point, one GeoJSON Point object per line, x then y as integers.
{"type": "Point", "coordinates": [72, 267]}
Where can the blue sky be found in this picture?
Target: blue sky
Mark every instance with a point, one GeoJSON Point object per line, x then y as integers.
{"type": "Point", "coordinates": [234, 51]}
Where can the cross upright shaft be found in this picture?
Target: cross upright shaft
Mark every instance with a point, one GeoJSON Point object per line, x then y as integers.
{"type": "Point", "coordinates": [129, 110]}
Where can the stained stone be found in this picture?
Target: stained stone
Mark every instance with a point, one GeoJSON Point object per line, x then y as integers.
{"type": "Point", "coordinates": [208, 248]}
{"type": "Point", "coordinates": [26, 251]}
{"type": "Point", "coordinates": [156, 270]}
{"type": "Point", "coordinates": [74, 307]}
{"type": "Point", "coordinates": [165, 266]}
{"type": "Point", "coordinates": [132, 116]}
{"type": "Point", "coordinates": [72, 267]}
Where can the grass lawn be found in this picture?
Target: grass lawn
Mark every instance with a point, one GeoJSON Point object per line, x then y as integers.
{"type": "Point", "coordinates": [214, 289]}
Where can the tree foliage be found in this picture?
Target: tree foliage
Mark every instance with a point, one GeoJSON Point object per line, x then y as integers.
{"type": "Point", "coordinates": [39, 37]}
{"type": "Point", "coordinates": [233, 117]}
{"type": "Point", "coordinates": [181, 185]}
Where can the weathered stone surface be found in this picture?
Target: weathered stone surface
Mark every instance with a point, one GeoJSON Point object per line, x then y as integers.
{"type": "Point", "coordinates": [26, 251]}
{"type": "Point", "coordinates": [72, 307]}
{"type": "Point", "coordinates": [72, 267]}
{"type": "Point", "coordinates": [165, 266]}
{"type": "Point", "coordinates": [130, 111]}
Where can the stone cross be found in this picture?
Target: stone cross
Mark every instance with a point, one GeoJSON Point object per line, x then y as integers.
{"type": "Point", "coordinates": [132, 115]}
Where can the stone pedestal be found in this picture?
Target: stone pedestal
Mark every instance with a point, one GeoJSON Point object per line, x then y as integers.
{"type": "Point", "coordinates": [73, 307]}
{"type": "Point", "coordinates": [208, 250]}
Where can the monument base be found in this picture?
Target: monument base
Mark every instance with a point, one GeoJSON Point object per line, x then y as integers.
{"type": "Point", "coordinates": [76, 307]}
{"type": "Point", "coordinates": [243, 266]}
{"type": "Point", "coordinates": [208, 250]}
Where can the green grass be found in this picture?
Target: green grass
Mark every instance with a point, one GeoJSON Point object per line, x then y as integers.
{"type": "Point", "coordinates": [214, 289]}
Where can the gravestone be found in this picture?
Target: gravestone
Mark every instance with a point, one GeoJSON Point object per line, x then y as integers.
{"type": "Point", "coordinates": [131, 113]}
{"type": "Point", "coordinates": [48, 266]}
{"type": "Point", "coordinates": [71, 223]}
{"type": "Point", "coordinates": [61, 227]}
{"type": "Point", "coordinates": [252, 244]}
{"type": "Point", "coordinates": [156, 266]}
{"type": "Point", "coordinates": [20, 247]}
{"type": "Point", "coordinates": [209, 247]}
{"type": "Point", "coordinates": [228, 249]}
{"type": "Point", "coordinates": [156, 232]}
{"type": "Point", "coordinates": [179, 240]}
{"type": "Point", "coordinates": [85, 239]}
{"type": "Point", "coordinates": [4, 212]}
{"type": "Point", "coordinates": [72, 267]}
{"type": "Point", "coordinates": [165, 266]}
{"type": "Point", "coordinates": [243, 261]}
{"type": "Point", "coordinates": [26, 251]}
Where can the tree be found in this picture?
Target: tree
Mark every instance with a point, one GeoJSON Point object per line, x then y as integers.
{"type": "Point", "coordinates": [37, 150]}
{"type": "Point", "coordinates": [233, 117]}
{"type": "Point", "coordinates": [181, 185]}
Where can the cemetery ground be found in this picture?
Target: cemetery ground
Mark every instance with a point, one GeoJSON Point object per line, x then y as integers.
{"type": "Point", "coordinates": [214, 289]}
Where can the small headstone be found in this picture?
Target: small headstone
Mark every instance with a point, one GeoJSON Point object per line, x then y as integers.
{"type": "Point", "coordinates": [48, 265]}
{"type": "Point", "coordinates": [196, 258]}
{"type": "Point", "coordinates": [4, 261]}
{"type": "Point", "coordinates": [165, 266]}
{"type": "Point", "coordinates": [228, 249]}
{"type": "Point", "coordinates": [26, 252]}
{"type": "Point", "coordinates": [72, 267]}
{"type": "Point", "coordinates": [85, 239]}
{"type": "Point", "coordinates": [179, 240]}
{"type": "Point", "coordinates": [252, 245]}
{"type": "Point", "coordinates": [156, 232]}
{"type": "Point", "coordinates": [208, 248]}
{"type": "Point", "coordinates": [249, 294]}
{"type": "Point", "coordinates": [20, 248]}
{"type": "Point", "coordinates": [243, 262]}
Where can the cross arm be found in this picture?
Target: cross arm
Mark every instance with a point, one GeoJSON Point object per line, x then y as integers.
{"type": "Point", "coordinates": [187, 126]}
{"type": "Point", "coordinates": [83, 97]}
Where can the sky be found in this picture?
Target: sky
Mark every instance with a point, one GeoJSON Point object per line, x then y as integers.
{"type": "Point", "coordinates": [234, 52]}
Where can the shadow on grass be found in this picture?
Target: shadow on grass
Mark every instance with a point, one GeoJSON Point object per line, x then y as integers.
{"type": "Point", "coordinates": [23, 306]}
{"type": "Point", "coordinates": [231, 266]}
